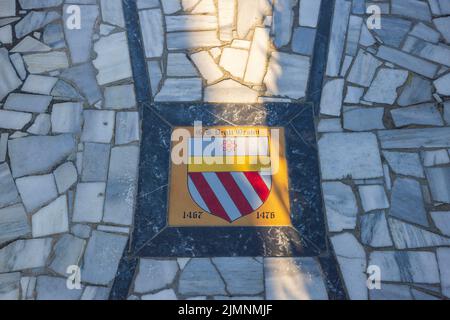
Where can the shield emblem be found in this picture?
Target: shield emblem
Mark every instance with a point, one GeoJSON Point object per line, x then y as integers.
{"type": "Point", "coordinates": [229, 177]}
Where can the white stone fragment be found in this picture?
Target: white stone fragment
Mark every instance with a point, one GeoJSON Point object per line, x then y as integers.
{"type": "Point", "coordinates": [155, 275]}
{"type": "Point", "coordinates": [234, 61]}
{"type": "Point", "coordinates": [340, 205]}
{"type": "Point", "coordinates": [207, 66]}
{"type": "Point", "coordinates": [226, 11]}
{"type": "Point", "coordinates": [52, 219]}
{"type": "Point", "coordinates": [192, 40]}
{"type": "Point", "coordinates": [178, 65]}
{"type": "Point", "coordinates": [190, 23]}
{"type": "Point", "coordinates": [188, 89]}
{"type": "Point", "coordinates": [230, 91]}
{"type": "Point", "coordinates": [257, 62]}
{"type": "Point", "coordinates": [152, 32]}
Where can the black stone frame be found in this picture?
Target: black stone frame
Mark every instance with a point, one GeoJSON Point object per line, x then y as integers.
{"type": "Point", "coordinates": [153, 238]}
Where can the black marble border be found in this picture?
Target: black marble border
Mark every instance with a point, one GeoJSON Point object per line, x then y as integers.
{"type": "Point", "coordinates": [128, 264]}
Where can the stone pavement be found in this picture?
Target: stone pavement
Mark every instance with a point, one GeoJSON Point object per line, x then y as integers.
{"type": "Point", "coordinates": [69, 124]}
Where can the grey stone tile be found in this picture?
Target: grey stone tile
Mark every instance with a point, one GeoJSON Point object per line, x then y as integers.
{"type": "Point", "coordinates": [424, 114]}
{"type": "Point", "coordinates": [384, 88]}
{"type": "Point", "coordinates": [52, 288]}
{"type": "Point", "coordinates": [51, 219]}
{"type": "Point", "coordinates": [439, 7]}
{"type": "Point", "coordinates": [442, 221]}
{"type": "Point", "coordinates": [68, 251]}
{"type": "Point", "coordinates": [41, 125]}
{"type": "Point", "coordinates": [443, 256]}
{"type": "Point", "coordinates": [373, 197]}
{"type": "Point", "coordinates": [95, 293]}
{"type": "Point", "coordinates": [46, 62]}
{"type": "Point", "coordinates": [39, 4]}
{"type": "Point", "coordinates": [14, 120]}
{"type": "Point", "coordinates": [407, 201]}
{"type": "Point", "coordinates": [353, 155]}
{"type": "Point", "coordinates": [436, 53]}
{"type": "Point", "coordinates": [167, 294]}
{"type": "Point", "coordinates": [406, 266]}
{"type": "Point", "coordinates": [283, 19]}
{"type": "Point", "coordinates": [152, 32]}
{"type": "Point", "coordinates": [8, 191]}
{"type": "Point", "coordinates": [363, 69]}
{"type": "Point", "coordinates": [374, 230]}
{"type": "Point", "coordinates": [8, 8]}
{"type": "Point", "coordinates": [13, 223]}
{"type": "Point", "coordinates": [417, 90]}
{"type": "Point", "coordinates": [67, 117]}
{"type": "Point", "coordinates": [127, 127]}
{"type": "Point", "coordinates": [443, 25]}
{"type": "Point", "coordinates": [393, 30]}
{"type": "Point", "coordinates": [155, 275]}
{"type": "Point", "coordinates": [112, 12]}
{"type": "Point", "coordinates": [34, 20]}
{"type": "Point", "coordinates": [341, 207]}
{"type": "Point", "coordinates": [404, 163]}
{"type": "Point", "coordinates": [27, 102]}
{"type": "Point", "coordinates": [352, 262]}
{"type": "Point", "coordinates": [363, 119]}
{"type": "Point", "coordinates": [28, 186]}
{"type": "Point", "coordinates": [25, 254]}
{"type": "Point", "coordinates": [54, 36]}
{"type": "Point", "coordinates": [34, 155]}
{"type": "Point", "coordinates": [10, 284]}
{"type": "Point", "coordinates": [200, 277]}
{"type": "Point", "coordinates": [439, 181]}
{"type": "Point", "coordinates": [303, 40]}
{"type": "Point", "coordinates": [425, 32]}
{"type": "Point", "coordinates": [3, 146]}
{"type": "Point", "coordinates": [294, 279]}
{"type": "Point", "coordinates": [309, 13]}
{"type": "Point", "coordinates": [89, 202]}
{"type": "Point", "coordinates": [240, 283]}
{"type": "Point", "coordinates": [98, 126]}
{"type": "Point", "coordinates": [187, 89]}
{"type": "Point", "coordinates": [10, 80]}
{"type": "Point", "coordinates": [81, 230]}
{"type": "Point", "coordinates": [353, 35]}
{"type": "Point", "coordinates": [412, 9]}
{"type": "Point", "coordinates": [18, 64]}
{"type": "Point", "coordinates": [120, 97]}
{"type": "Point", "coordinates": [83, 76]}
{"type": "Point", "coordinates": [95, 162]}
{"type": "Point", "coordinates": [121, 186]}
{"type": "Point", "coordinates": [443, 85]}
{"type": "Point", "coordinates": [331, 102]}
{"type": "Point", "coordinates": [192, 40]}
{"type": "Point", "coordinates": [408, 236]}
{"type": "Point", "coordinates": [415, 138]}
{"type": "Point", "coordinates": [65, 176]}
{"type": "Point", "coordinates": [178, 65]}
{"type": "Point", "coordinates": [391, 292]}
{"type": "Point", "coordinates": [102, 257]}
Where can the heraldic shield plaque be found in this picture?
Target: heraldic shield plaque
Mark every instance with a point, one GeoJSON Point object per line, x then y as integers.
{"type": "Point", "coordinates": [228, 176]}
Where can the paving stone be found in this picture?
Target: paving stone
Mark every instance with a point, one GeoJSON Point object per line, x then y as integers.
{"type": "Point", "coordinates": [102, 257]}
{"type": "Point", "coordinates": [412, 9]}
{"type": "Point", "coordinates": [178, 65]}
{"type": "Point", "coordinates": [393, 31]}
{"type": "Point", "coordinates": [39, 84]}
{"type": "Point", "coordinates": [366, 38]}
{"type": "Point", "coordinates": [83, 76]}
{"type": "Point", "coordinates": [188, 89]}
{"type": "Point", "coordinates": [120, 97]}
{"type": "Point", "coordinates": [337, 37]}
{"type": "Point", "coordinates": [384, 88]}
{"type": "Point", "coordinates": [98, 126]}
{"type": "Point", "coordinates": [13, 223]}
{"type": "Point", "coordinates": [54, 35]}
{"type": "Point", "coordinates": [226, 11]}
{"type": "Point", "coordinates": [52, 288]}
{"type": "Point", "coordinates": [167, 294]}
{"type": "Point", "coordinates": [190, 23]}
{"type": "Point", "coordinates": [8, 8]}
{"type": "Point", "coordinates": [303, 40]}
{"type": "Point", "coordinates": [363, 119]}
{"type": "Point", "coordinates": [192, 40]}
{"type": "Point", "coordinates": [3, 146]}
{"type": "Point", "coordinates": [81, 230]}
{"type": "Point", "coordinates": [363, 69]}
{"type": "Point", "coordinates": [406, 266]}
{"type": "Point", "coordinates": [152, 32]}
{"type": "Point", "coordinates": [46, 62]}
{"type": "Point", "coordinates": [442, 221]}
{"type": "Point", "coordinates": [407, 201]}
{"type": "Point", "coordinates": [352, 262]}
{"type": "Point", "coordinates": [331, 102]}
{"type": "Point", "coordinates": [294, 279]}
{"type": "Point", "coordinates": [33, 200]}
{"type": "Point", "coordinates": [257, 59]}
{"type": "Point", "coordinates": [65, 176]}
{"type": "Point", "coordinates": [41, 125]}
{"type": "Point", "coordinates": [391, 292]}
{"type": "Point", "coordinates": [8, 191]}
{"type": "Point", "coordinates": [89, 201]}
{"type": "Point", "coordinates": [435, 157]}
{"type": "Point", "coordinates": [113, 229]}
{"type": "Point", "coordinates": [67, 117]}
{"type": "Point", "coordinates": [429, 51]}
{"type": "Point", "coordinates": [10, 285]}
{"type": "Point", "coordinates": [415, 138]}
{"type": "Point", "coordinates": [439, 7]}
{"type": "Point", "coordinates": [443, 256]}
{"type": "Point", "coordinates": [14, 120]}
{"type": "Point", "coordinates": [34, 20]}
{"type": "Point", "coordinates": [287, 75]}
{"type": "Point", "coordinates": [234, 61]}
{"type": "Point", "coordinates": [95, 293]}
{"type": "Point", "coordinates": [425, 32]}
{"type": "Point", "coordinates": [353, 155]}
{"type": "Point", "coordinates": [439, 181]}
{"type": "Point", "coordinates": [127, 127]}
{"type": "Point", "coordinates": [6, 34]}
{"type": "Point", "coordinates": [95, 162]}
{"type": "Point", "coordinates": [240, 283]}
{"type": "Point", "coordinates": [205, 7]}
{"type": "Point", "coordinates": [121, 186]}
{"type": "Point", "coordinates": [171, 6]}
{"type": "Point", "coordinates": [34, 155]}
{"type": "Point", "coordinates": [112, 67]}
{"type": "Point", "coordinates": [18, 64]}
{"type": "Point", "coordinates": [422, 296]}
{"type": "Point", "coordinates": [27, 102]}
{"type": "Point", "coordinates": [374, 230]}
{"type": "Point", "coordinates": [329, 125]}
{"type": "Point", "coordinates": [230, 91]}
{"type": "Point", "coordinates": [251, 13]}
{"type": "Point", "coordinates": [27, 285]}
{"type": "Point", "coordinates": [373, 197]}
{"type": "Point", "coordinates": [443, 25]}
{"type": "Point", "coordinates": [80, 40]}
{"type": "Point", "coordinates": [25, 254]}
{"type": "Point", "coordinates": [404, 163]}
{"type": "Point", "coordinates": [38, 4]}
{"type": "Point", "coordinates": [30, 44]}
{"type": "Point", "coordinates": [341, 207]}
{"type": "Point", "coordinates": [200, 277]}
{"type": "Point", "coordinates": [155, 275]}
{"type": "Point", "coordinates": [417, 90]}
{"type": "Point", "coordinates": [112, 12]}
{"type": "Point", "coordinates": [353, 35]}
{"type": "Point", "coordinates": [408, 236]}
{"type": "Point", "coordinates": [283, 19]}
{"type": "Point", "coordinates": [408, 61]}
{"type": "Point", "coordinates": [207, 66]}
{"type": "Point", "coordinates": [155, 74]}
{"type": "Point", "coordinates": [309, 13]}
{"type": "Point", "coordinates": [443, 85]}
{"type": "Point", "coordinates": [52, 219]}
{"type": "Point", "coordinates": [424, 114]}
{"type": "Point", "coordinates": [148, 4]}
{"type": "Point", "coordinates": [68, 251]}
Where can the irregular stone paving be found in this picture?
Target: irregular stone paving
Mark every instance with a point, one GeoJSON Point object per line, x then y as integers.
{"type": "Point", "coordinates": [69, 127]}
